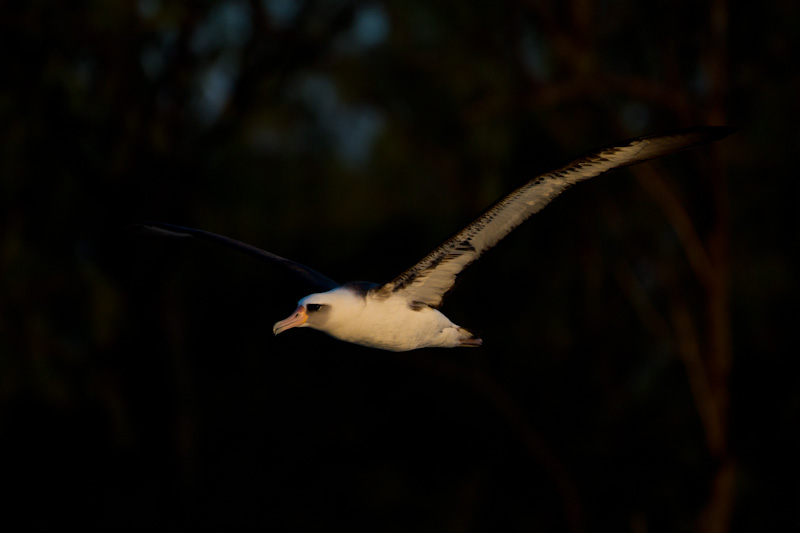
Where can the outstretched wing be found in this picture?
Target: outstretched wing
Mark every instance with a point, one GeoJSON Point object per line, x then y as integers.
{"type": "Point", "coordinates": [308, 275]}
{"type": "Point", "coordinates": [428, 281]}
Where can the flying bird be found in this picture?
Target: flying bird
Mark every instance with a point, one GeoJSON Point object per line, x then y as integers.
{"type": "Point", "coordinates": [403, 314]}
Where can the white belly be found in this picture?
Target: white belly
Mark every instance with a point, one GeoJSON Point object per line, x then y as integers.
{"type": "Point", "coordinates": [390, 324]}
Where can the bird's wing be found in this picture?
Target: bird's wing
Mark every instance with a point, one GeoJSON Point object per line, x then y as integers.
{"type": "Point", "coordinates": [427, 282]}
{"type": "Point", "coordinates": [308, 275]}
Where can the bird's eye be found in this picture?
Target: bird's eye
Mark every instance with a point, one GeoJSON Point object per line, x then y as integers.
{"type": "Point", "coordinates": [313, 307]}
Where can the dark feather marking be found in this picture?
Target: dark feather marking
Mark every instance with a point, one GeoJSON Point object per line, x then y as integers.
{"type": "Point", "coordinates": [360, 288]}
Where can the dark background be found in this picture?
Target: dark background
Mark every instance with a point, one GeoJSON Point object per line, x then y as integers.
{"type": "Point", "coordinates": [637, 372]}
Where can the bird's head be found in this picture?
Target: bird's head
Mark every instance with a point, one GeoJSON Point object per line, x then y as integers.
{"type": "Point", "coordinates": [323, 311]}
{"type": "Point", "coordinates": [312, 311]}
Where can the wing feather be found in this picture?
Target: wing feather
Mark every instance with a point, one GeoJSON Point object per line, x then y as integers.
{"type": "Point", "coordinates": [306, 274]}
{"type": "Point", "coordinates": [427, 282]}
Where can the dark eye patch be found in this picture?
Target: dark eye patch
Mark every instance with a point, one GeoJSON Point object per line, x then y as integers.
{"type": "Point", "coordinates": [313, 307]}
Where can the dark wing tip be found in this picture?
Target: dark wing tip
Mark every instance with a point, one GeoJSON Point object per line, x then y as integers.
{"type": "Point", "coordinates": [665, 144]}
{"type": "Point", "coordinates": [159, 228]}
{"type": "Point", "coordinates": [697, 134]}
{"type": "Point", "coordinates": [722, 131]}
{"type": "Point", "coordinates": [310, 276]}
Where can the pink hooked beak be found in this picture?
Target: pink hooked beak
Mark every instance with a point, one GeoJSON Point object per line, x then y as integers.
{"type": "Point", "coordinates": [298, 318]}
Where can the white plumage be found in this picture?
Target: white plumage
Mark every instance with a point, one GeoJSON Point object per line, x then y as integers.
{"type": "Point", "coordinates": [387, 322]}
{"type": "Point", "coordinates": [402, 314]}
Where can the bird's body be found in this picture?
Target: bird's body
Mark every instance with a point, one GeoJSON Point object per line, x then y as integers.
{"type": "Point", "coordinates": [356, 313]}
{"type": "Point", "coordinates": [403, 314]}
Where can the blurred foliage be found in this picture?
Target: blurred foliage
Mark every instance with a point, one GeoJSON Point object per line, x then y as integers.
{"type": "Point", "coordinates": [638, 371]}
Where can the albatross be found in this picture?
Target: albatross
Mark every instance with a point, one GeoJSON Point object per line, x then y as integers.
{"type": "Point", "coordinates": [403, 314]}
